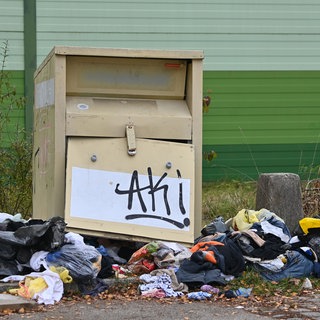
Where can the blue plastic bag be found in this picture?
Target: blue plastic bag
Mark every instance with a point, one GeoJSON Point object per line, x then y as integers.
{"type": "Point", "coordinates": [82, 261]}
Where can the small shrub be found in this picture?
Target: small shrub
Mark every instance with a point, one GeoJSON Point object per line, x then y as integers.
{"type": "Point", "coordinates": [15, 149]}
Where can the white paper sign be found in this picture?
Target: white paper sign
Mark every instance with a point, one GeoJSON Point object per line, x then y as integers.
{"type": "Point", "coordinates": [137, 198]}
{"type": "Point", "coordinates": [44, 94]}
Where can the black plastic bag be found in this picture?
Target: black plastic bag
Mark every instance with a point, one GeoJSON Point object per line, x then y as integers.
{"type": "Point", "coordinates": [217, 225]}
{"type": "Point", "coordinates": [42, 235]}
{"type": "Point", "coordinates": [7, 252]}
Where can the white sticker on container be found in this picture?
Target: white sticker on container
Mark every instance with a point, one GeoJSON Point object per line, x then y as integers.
{"type": "Point", "coordinates": [82, 106]}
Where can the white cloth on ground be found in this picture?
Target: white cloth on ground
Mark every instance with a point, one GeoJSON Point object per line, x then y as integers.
{"type": "Point", "coordinates": [274, 265]}
{"type": "Point", "coordinates": [267, 227]}
{"type": "Point", "coordinates": [53, 293]}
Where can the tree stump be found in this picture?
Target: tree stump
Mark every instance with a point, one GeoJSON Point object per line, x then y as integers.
{"type": "Point", "coordinates": [280, 193]}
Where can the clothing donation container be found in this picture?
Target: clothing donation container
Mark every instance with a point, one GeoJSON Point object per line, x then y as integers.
{"type": "Point", "coordinates": [118, 142]}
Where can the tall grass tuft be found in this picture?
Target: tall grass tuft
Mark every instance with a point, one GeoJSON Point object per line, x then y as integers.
{"type": "Point", "coordinates": [227, 198]}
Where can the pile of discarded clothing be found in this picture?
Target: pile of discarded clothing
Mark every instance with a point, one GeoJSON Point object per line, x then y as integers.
{"type": "Point", "coordinates": [43, 257]}
{"type": "Point", "coordinates": [259, 239]}
{"type": "Point", "coordinates": [268, 246]}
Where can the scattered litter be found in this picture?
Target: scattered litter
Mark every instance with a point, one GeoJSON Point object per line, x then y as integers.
{"type": "Point", "coordinates": [307, 284]}
{"type": "Point", "coordinates": [199, 295]}
{"type": "Point", "coordinates": [210, 289]}
{"type": "Point", "coordinates": [241, 292]}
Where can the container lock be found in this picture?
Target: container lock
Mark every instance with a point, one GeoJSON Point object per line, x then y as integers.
{"type": "Point", "coordinates": [131, 140]}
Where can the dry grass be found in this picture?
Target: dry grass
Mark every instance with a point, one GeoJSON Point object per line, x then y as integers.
{"type": "Point", "coordinates": [311, 198]}
{"type": "Point", "coordinates": [227, 198]}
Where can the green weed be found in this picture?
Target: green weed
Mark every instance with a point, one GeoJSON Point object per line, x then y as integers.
{"type": "Point", "coordinates": [15, 148]}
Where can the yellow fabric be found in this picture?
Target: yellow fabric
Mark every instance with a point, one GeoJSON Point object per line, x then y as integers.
{"type": "Point", "coordinates": [244, 219]}
{"type": "Point", "coordinates": [63, 273]}
{"type": "Point", "coordinates": [308, 223]}
{"type": "Point", "coordinates": [13, 291]}
{"type": "Point", "coordinates": [30, 286]}
{"type": "Point", "coordinates": [37, 285]}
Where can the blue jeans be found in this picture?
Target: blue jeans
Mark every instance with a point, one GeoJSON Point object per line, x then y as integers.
{"type": "Point", "coordinates": [297, 266]}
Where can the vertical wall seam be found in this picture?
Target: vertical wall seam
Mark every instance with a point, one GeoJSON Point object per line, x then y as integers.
{"type": "Point", "coordinates": [30, 58]}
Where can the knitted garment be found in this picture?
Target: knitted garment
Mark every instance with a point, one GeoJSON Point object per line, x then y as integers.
{"type": "Point", "coordinates": [158, 282]}
{"type": "Point", "coordinates": [199, 295]}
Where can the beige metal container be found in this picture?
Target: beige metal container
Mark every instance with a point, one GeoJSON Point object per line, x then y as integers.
{"type": "Point", "coordinates": [118, 142]}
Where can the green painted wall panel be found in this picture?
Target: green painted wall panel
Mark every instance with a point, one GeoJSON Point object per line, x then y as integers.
{"type": "Point", "coordinates": [16, 115]}
{"type": "Point", "coordinates": [262, 107]}
{"type": "Point", "coordinates": [261, 122]}
{"type": "Point", "coordinates": [253, 136]}
{"type": "Point", "coordinates": [16, 80]}
{"type": "Point", "coordinates": [248, 161]}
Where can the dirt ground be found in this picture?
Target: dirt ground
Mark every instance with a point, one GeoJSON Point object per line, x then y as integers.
{"type": "Point", "coordinates": [306, 307]}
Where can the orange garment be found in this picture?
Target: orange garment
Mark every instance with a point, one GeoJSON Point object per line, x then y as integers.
{"type": "Point", "coordinates": [209, 256]}
{"type": "Point", "coordinates": [203, 246]}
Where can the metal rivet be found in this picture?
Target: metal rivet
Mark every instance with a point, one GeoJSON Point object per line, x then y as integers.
{"type": "Point", "coordinates": [93, 158]}
{"type": "Point", "coordinates": [168, 165]}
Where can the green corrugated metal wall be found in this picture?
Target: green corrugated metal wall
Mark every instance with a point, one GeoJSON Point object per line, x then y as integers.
{"type": "Point", "coordinates": [268, 107]}
{"type": "Point", "coordinates": [258, 122]}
